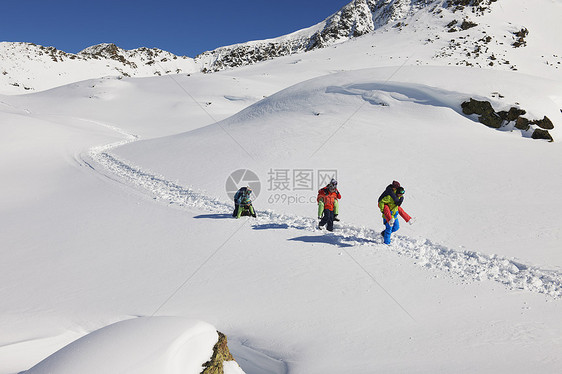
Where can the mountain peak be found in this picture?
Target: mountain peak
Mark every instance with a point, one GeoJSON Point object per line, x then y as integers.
{"type": "Point", "coordinates": [103, 49]}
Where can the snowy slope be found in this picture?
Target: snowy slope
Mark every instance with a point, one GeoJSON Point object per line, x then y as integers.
{"type": "Point", "coordinates": [372, 131]}
{"type": "Point", "coordinates": [115, 206]}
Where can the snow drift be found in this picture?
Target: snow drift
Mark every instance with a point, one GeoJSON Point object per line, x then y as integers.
{"type": "Point", "coordinates": [167, 345]}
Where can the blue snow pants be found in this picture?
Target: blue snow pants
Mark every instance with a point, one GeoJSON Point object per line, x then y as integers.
{"type": "Point", "coordinates": [390, 229]}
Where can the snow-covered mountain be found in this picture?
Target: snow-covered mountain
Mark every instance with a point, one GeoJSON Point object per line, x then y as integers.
{"type": "Point", "coordinates": [28, 67]}
{"type": "Point", "coordinates": [431, 19]}
{"type": "Point", "coordinates": [355, 19]}
{"type": "Point", "coordinates": [476, 33]}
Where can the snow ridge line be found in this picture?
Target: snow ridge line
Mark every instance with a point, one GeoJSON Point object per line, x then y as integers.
{"type": "Point", "coordinates": [466, 264]}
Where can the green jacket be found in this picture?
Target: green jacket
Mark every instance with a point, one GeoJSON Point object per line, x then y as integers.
{"type": "Point", "coordinates": [388, 200]}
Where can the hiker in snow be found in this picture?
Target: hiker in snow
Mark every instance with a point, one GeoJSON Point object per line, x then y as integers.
{"type": "Point", "coordinates": [326, 189]}
{"type": "Point", "coordinates": [243, 203]}
{"type": "Point", "coordinates": [390, 203]}
{"type": "Point", "coordinates": [329, 195]}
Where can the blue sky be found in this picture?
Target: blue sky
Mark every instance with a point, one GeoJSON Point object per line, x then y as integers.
{"type": "Point", "coordinates": [181, 27]}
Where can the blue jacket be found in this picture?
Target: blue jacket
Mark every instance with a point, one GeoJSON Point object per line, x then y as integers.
{"type": "Point", "coordinates": [242, 196]}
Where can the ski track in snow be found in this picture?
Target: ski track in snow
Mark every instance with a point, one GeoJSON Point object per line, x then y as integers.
{"type": "Point", "coordinates": [468, 265]}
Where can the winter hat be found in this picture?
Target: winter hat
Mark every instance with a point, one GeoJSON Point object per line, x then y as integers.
{"type": "Point", "coordinates": [395, 184]}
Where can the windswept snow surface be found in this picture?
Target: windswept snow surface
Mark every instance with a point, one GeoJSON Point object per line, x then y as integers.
{"type": "Point", "coordinates": [98, 231]}
{"type": "Point", "coordinates": [114, 206]}
{"type": "Point", "coordinates": [140, 345]}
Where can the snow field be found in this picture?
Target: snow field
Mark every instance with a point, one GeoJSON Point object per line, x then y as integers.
{"type": "Point", "coordinates": [469, 265]}
{"type": "Point", "coordinates": [292, 281]}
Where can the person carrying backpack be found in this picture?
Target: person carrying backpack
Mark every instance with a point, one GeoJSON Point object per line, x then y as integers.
{"type": "Point", "coordinates": [390, 203]}
{"type": "Point", "coordinates": [243, 203]}
{"type": "Point", "coordinates": [328, 195]}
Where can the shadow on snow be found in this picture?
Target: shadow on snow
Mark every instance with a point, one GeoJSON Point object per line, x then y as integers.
{"type": "Point", "coordinates": [214, 216]}
{"type": "Point", "coordinates": [325, 239]}
{"type": "Point", "coordinates": [271, 226]}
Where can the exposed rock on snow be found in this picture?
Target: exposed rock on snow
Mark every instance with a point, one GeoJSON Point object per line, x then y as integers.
{"type": "Point", "coordinates": [479, 5]}
{"type": "Point", "coordinates": [544, 123]}
{"type": "Point", "coordinates": [221, 353]}
{"type": "Point", "coordinates": [489, 117]}
{"type": "Point", "coordinates": [484, 109]}
{"type": "Point", "coordinates": [521, 35]}
{"type": "Point", "coordinates": [542, 134]}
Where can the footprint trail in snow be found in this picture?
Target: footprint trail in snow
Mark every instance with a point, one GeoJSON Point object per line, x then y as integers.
{"type": "Point", "coordinates": [466, 264]}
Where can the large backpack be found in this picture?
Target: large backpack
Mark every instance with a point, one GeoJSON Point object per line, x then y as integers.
{"type": "Point", "coordinates": [239, 193]}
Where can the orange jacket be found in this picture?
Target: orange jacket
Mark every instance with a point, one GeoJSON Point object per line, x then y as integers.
{"type": "Point", "coordinates": [328, 197]}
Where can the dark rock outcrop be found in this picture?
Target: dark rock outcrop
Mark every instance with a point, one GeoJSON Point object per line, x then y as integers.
{"type": "Point", "coordinates": [542, 134]}
{"type": "Point", "coordinates": [221, 353]}
{"type": "Point", "coordinates": [512, 114]}
{"type": "Point", "coordinates": [544, 123]}
{"type": "Point", "coordinates": [520, 35]}
{"type": "Point", "coordinates": [474, 3]}
{"type": "Point", "coordinates": [522, 123]}
{"type": "Point", "coordinates": [487, 114]}
{"type": "Point", "coordinates": [489, 117]}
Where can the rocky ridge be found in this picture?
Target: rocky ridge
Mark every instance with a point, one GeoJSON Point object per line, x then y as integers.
{"type": "Point", "coordinates": [143, 56]}
{"type": "Point", "coordinates": [355, 19]}
{"type": "Point", "coordinates": [32, 67]}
